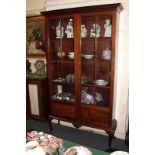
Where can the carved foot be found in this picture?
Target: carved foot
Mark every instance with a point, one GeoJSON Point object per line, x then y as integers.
{"type": "Point", "coordinates": [58, 122]}
{"type": "Point", "coordinates": [76, 125]}
{"type": "Point", "coordinates": [111, 131]}
{"type": "Point", "coordinates": [50, 123]}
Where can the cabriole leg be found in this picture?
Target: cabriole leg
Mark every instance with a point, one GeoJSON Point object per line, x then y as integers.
{"type": "Point", "coordinates": [111, 131]}
{"type": "Point", "coordinates": [50, 123]}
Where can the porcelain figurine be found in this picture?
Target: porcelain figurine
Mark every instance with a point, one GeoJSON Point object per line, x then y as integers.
{"type": "Point", "coordinates": [59, 31]}
{"type": "Point", "coordinates": [106, 54]}
{"type": "Point", "coordinates": [107, 27]}
{"type": "Point", "coordinates": [69, 31]}
{"type": "Point", "coordinates": [83, 31]}
{"type": "Point", "coordinates": [95, 31]}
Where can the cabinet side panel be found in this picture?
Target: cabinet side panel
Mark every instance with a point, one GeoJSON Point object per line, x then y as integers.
{"type": "Point", "coordinates": [33, 91]}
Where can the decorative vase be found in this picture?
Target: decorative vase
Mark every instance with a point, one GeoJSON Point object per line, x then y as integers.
{"type": "Point", "coordinates": [106, 54]}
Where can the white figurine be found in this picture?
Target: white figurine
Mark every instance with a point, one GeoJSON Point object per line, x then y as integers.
{"type": "Point", "coordinates": [69, 30]}
{"type": "Point", "coordinates": [59, 31]}
{"type": "Point", "coordinates": [98, 29]}
{"type": "Point", "coordinates": [92, 31]}
{"type": "Point", "coordinates": [107, 27]}
{"type": "Point", "coordinates": [83, 31]}
{"type": "Point", "coordinates": [95, 31]}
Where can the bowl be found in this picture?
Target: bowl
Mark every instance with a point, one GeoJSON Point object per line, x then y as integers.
{"type": "Point", "coordinates": [119, 153]}
{"type": "Point", "coordinates": [78, 150]}
{"type": "Point", "coordinates": [101, 82]}
{"type": "Point", "coordinates": [33, 148]}
{"type": "Point", "coordinates": [71, 56]}
{"type": "Point", "coordinates": [71, 53]}
{"type": "Point", "coordinates": [87, 56]}
{"type": "Point", "coordinates": [32, 144]}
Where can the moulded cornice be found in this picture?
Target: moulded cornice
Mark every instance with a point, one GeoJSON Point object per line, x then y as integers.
{"type": "Point", "coordinates": [63, 4]}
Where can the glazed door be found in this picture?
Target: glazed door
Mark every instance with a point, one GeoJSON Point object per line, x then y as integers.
{"type": "Point", "coordinates": [96, 56]}
{"type": "Point", "coordinates": [62, 68]}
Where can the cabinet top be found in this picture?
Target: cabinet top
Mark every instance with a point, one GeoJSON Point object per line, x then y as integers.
{"type": "Point", "coordinates": [95, 8]}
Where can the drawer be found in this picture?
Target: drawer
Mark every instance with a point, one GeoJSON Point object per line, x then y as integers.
{"type": "Point", "coordinates": [63, 110]}
{"type": "Point", "coordinates": [95, 117]}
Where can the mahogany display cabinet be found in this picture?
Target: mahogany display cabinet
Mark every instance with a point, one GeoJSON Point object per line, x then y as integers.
{"type": "Point", "coordinates": [80, 45]}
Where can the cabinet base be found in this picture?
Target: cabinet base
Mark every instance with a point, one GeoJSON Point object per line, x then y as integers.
{"type": "Point", "coordinates": [110, 131]}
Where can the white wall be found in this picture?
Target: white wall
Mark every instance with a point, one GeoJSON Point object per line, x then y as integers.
{"type": "Point", "coordinates": [122, 83]}
{"type": "Point", "coordinates": [34, 7]}
{"type": "Point", "coordinates": [121, 86]}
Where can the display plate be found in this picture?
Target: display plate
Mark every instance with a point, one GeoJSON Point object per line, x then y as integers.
{"type": "Point", "coordinates": [119, 153]}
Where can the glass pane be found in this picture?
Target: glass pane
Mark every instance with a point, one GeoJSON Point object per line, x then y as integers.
{"type": "Point", "coordinates": [94, 96]}
{"type": "Point", "coordinates": [68, 39]}
{"type": "Point", "coordinates": [68, 25]}
{"type": "Point", "coordinates": [63, 81]}
{"type": "Point", "coordinates": [103, 49]}
{"type": "Point", "coordinates": [102, 72]}
{"type": "Point", "coordinates": [68, 49]}
{"type": "Point", "coordinates": [87, 25]}
{"type": "Point", "coordinates": [56, 31]}
{"type": "Point", "coordinates": [105, 26]}
{"type": "Point", "coordinates": [87, 72]}
{"type": "Point", "coordinates": [62, 59]}
{"type": "Point", "coordinates": [96, 45]}
{"type": "Point", "coordinates": [57, 90]}
{"type": "Point", "coordinates": [88, 95]}
{"type": "Point", "coordinates": [68, 93]}
{"type": "Point", "coordinates": [68, 72]}
{"type": "Point", "coordinates": [102, 96]}
{"type": "Point", "coordinates": [87, 60]}
{"type": "Point", "coordinates": [56, 71]}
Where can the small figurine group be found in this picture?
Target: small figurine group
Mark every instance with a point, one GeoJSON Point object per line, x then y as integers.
{"type": "Point", "coordinates": [94, 32]}
{"type": "Point", "coordinates": [59, 31]}
{"type": "Point", "coordinates": [69, 31]}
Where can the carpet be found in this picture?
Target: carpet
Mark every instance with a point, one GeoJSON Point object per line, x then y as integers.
{"type": "Point", "coordinates": [82, 137]}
